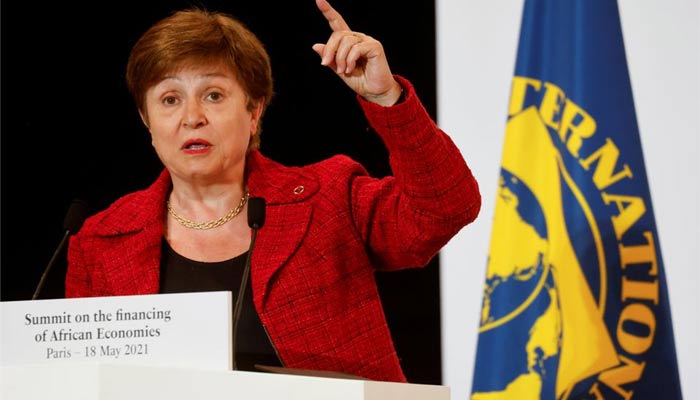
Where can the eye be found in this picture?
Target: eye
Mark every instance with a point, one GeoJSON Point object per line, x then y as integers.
{"type": "Point", "coordinates": [215, 96]}
{"type": "Point", "coordinates": [170, 100]}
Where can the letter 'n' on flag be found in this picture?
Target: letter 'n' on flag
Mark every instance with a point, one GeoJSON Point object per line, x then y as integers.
{"type": "Point", "coordinates": [575, 304]}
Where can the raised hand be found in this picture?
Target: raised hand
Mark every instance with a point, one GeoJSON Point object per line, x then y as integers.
{"type": "Point", "coordinates": [358, 59]}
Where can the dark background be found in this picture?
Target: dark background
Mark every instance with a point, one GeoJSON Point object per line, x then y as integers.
{"type": "Point", "coordinates": [69, 128]}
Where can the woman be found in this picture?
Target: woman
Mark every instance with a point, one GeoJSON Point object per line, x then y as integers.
{"type": "Point", "coordinates": [201, 82]}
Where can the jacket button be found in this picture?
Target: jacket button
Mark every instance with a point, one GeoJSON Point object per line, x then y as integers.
{"type": "Point", "coordinates": [298, 190]}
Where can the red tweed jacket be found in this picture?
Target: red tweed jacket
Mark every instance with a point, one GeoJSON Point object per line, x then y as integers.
{"type": "Point", "coordinates": [314, 261]}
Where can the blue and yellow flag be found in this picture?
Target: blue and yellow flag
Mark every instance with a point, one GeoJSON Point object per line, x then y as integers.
{"type": "Point", "coordinates": [575, 304]}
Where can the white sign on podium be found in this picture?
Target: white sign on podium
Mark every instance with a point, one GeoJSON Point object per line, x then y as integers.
{"type": "Point", "coordinates": [190, 330]}
{"type": "Point", "coordinates": [171, 346]}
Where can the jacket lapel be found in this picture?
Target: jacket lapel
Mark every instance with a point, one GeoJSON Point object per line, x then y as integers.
{"type": "Point", "coordinates": [285, 190]}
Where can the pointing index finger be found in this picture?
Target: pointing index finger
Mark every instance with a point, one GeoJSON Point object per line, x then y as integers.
{"type": "Point", "coordinates": [335, 20]}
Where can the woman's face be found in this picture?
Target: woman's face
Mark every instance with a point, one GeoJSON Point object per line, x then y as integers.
{"type": "Point", "coordinates": [200, 124]}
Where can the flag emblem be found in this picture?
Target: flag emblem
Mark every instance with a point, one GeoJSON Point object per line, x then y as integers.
{"type": "Point", "coordinates": [574, 302]}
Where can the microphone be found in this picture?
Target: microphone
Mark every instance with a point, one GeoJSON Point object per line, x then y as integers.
{"type": "Point", "coordinates": [256, 213]}
{"type": "Point", "coordinates": [76, 215]}
{"type": "Point", "coordinates": [256, 219]}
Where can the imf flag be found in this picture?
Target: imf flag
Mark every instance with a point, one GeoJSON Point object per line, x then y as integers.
{"type": "Point", "coordinates": [575, 304]}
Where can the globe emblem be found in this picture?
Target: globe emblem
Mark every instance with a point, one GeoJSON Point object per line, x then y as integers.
{"type": "Point", "coordinates": [542, 333]}
{"type": "Point", "coordinates": [520, 295]}
{"type": "Point", "coordinates": [514, 274]}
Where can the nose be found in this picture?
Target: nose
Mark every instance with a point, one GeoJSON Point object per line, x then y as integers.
{"type": "Point", "coordinates": [194, 116]}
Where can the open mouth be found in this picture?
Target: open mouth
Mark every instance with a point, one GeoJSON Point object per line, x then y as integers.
{"type": "Point", "coordinates": [196, 144]}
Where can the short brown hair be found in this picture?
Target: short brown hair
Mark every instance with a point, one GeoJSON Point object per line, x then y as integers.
{"type": "Point", "coordinates": [196, 37]}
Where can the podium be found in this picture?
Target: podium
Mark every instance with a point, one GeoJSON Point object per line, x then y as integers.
{"type": "Point", "coordinates": [103, 381]}
{"type": "Point", "coordinates": [152, 347]}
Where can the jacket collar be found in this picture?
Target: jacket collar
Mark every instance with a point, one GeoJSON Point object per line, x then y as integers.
{"type": "Point", "coordinates": [276, 183]}
{"type": "Point", "coordinates": [135, 211]}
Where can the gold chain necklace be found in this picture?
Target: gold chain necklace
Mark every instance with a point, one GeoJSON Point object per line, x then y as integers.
{"type": "Point", "coordinates": [209, 224]}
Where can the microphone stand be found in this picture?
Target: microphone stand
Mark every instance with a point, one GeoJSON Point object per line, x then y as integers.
{"type": "Point", "coordinates": [256, 218]}
{"type": "Point", "coordinates": [76, 215]}
{"type": "Point", "coordinates": [60, 247]}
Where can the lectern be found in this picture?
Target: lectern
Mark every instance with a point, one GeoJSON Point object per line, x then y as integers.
{"type": "Point", "coordinates": [174, 347]}
{"type": "Point", "coordinates": [133, 382]}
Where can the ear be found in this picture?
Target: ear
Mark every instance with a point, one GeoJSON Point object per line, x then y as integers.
{"type": "Point", "coordinates": [255, 115]}
{"type": "Point", "coordinates": [144, 119]}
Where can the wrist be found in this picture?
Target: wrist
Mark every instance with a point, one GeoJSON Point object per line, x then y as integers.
{"type": "Point", "coordinates": [392, 96]}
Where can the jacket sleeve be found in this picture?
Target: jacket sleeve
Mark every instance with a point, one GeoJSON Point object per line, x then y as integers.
{"type": "Point", "coordinates": [406, 218]}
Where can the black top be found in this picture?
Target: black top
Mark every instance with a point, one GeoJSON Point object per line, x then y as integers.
{"type": "Point", "coordinates": [179, 274]}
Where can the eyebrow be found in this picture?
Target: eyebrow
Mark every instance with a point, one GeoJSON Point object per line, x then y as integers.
{"type": "Point", "coordinates": [207, 75]}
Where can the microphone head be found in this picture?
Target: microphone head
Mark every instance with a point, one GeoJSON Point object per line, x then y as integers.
{"type": "Point", "coordinates": [256, 212]}
{"type": "Point", "coordinates": [76, 215]}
